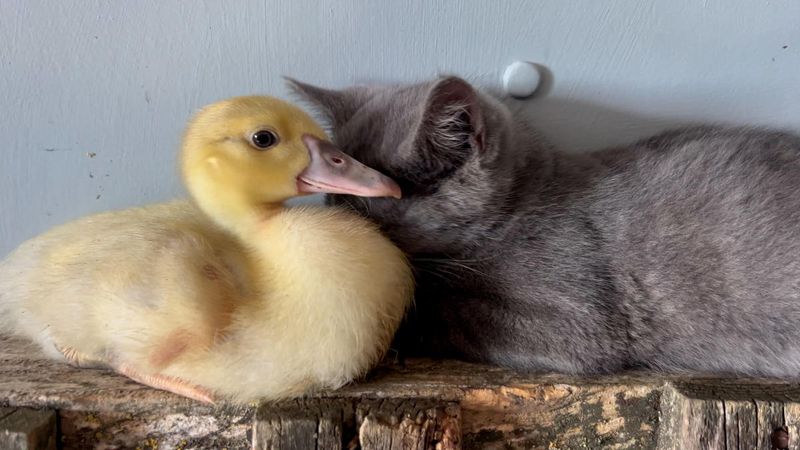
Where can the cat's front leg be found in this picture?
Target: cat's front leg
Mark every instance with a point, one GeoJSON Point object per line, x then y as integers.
{"type": "Point", "coordinates": [517, 334]}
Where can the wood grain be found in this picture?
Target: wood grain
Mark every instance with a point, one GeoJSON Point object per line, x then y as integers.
{"type": "Point", "coordinates": [419, 424]}
{"type": "Point", "coordinates": [741, 425]}
{"type": "Point", "coordinates": [420, 404]}
{"type": "Point", "coordinates": [27, 429]}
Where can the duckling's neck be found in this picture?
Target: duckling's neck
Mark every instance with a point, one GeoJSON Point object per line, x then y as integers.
{"type": "Point", "coordinates": [242, 219]}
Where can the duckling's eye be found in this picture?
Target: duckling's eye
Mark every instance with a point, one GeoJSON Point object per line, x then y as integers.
{"type": "Point", "coordinates": [264, 139]}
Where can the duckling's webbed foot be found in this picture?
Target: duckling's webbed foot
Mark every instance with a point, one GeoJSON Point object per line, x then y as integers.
{"type": "Point", "coordinates": [167, 383]}
{"type": "Point", "coordinates": [81, 360]}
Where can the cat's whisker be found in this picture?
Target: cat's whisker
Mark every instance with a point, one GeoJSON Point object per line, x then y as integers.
{"type": "Point", "coordinates": [435, 273]}
{"type": "Point", "coordinates": [454, 263]}
{"type": "Point", "coordinates": [451, 268]}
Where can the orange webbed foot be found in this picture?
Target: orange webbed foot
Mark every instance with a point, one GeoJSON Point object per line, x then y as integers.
{"type": "Point", "coordinates": [167, 383]}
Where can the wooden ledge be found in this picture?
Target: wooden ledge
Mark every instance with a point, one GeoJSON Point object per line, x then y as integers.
{"type": "Point", "coordinates": [420, 404]}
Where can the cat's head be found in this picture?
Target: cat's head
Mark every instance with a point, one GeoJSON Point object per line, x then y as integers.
{"type": "Point", "coordinates": [440, 140]}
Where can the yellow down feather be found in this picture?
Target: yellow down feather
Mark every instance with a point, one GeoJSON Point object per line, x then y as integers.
{"type": "Point", "coordinates": [232, 292]}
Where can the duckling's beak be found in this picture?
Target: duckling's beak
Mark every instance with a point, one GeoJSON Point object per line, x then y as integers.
{"type": "Point", "coordinates": [331, 171]}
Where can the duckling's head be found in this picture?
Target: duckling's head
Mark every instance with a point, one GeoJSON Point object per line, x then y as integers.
{"type": "Point", "coordinates": [248, 152]}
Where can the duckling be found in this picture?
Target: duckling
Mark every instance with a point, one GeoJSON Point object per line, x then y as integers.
{"type": "Point", "coordinates": [231, 295]}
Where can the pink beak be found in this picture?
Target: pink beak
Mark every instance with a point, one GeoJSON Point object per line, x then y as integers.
{"type": "Point", "coordinates": [333, 172]}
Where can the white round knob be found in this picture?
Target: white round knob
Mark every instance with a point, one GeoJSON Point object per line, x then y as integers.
{"type": "Point", "coordinates": [521, 79]}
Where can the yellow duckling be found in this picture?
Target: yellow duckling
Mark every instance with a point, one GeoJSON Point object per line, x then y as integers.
{"type": "Point", "coordinates": [231, 296]}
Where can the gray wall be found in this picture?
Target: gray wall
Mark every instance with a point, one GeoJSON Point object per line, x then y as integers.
{"type": "Point", "coordinates": [117, 80]}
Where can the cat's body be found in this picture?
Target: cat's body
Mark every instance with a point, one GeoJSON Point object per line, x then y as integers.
{"type": "Point", "coordinates": [680, 253]}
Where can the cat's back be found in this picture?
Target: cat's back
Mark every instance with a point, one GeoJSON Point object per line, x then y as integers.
{"type": "Point", "coordinates": [717, 184]}
{"type": "Point", "coordinates": [699, 155]}
{"type": "Point", "coordinates": [705, 228]}
{"type": "Point", "coordinates": [707, 173]}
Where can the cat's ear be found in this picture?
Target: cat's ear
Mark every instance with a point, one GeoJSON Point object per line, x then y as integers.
{"type": "Point", "coordinates": [338, 106]}
{"type": "Point", "coordinates": [453, 119]}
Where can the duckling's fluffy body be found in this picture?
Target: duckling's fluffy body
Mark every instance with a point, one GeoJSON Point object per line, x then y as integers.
{"type": "Point", "coordinates": [141, 285]}
{"type": "Point", "coordinates": [235, 295]}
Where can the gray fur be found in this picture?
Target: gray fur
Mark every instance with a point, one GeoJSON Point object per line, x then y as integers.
{"type": "Point", "coordinates": [679, 253]}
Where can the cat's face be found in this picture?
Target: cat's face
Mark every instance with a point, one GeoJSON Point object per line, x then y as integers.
{"type": "Point", "coordinates": [439, 140]}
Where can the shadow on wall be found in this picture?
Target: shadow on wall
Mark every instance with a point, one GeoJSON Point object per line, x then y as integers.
{"type": "Point", "coordinates": [576, 126]}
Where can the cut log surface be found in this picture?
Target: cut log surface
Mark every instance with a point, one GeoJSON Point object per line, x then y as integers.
{"type": "Point", "coordinates": [419, 404]}
{"type": "Point", "coordinates": [27, 429]}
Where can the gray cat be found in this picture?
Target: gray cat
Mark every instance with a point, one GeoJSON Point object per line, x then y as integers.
{"type": "Point", "coordinates": [679, 253]}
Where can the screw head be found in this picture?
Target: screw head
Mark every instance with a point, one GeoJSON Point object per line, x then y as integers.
{"type": "Point", "coordinates": [521, 79]}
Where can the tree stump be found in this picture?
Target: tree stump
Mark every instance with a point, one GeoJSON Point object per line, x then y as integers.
{"type": "Point", "coordinates": [421, 404]}
{"type": "Point", "coordinates": [27, 429]}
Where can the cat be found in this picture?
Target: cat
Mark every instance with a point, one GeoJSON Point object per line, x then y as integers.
{"type": "Point", "coordinates": [679, 253]}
